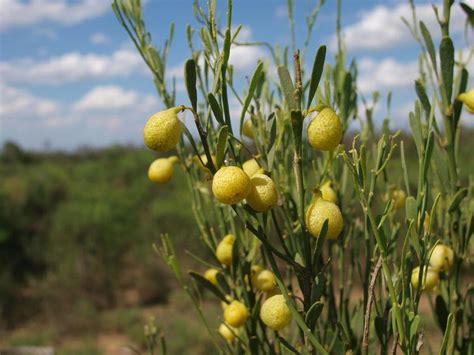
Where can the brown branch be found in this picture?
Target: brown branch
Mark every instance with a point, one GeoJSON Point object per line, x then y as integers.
{"type": "Point", "coordinates": [373, 278]}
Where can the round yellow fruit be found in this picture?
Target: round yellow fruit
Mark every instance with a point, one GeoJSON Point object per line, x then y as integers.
{"type": "Point", "coordinates": [247, 129]}
{"type": "Point", "coordinates": [275, 313]}
{"type": "Point", "coordinates": [251, 167]}
{"type": "Point", "coordinates": [236, 314]}
{"type": "Point", "coordinates": [264, 281]}
{"type": "Point", "coordinates": [162, 130]}
{"type": "Point", "coordinates": [325, 130]}
{"type": "Point", "coordinates": [318, 212]}
{"type": "Point", "coordinates": [442, 258]}
{"type": "Point", "coordinates": [161, 170]}
{"type": "Point", "coordinates": [468, 99]}
{"type": "Point", "coordinates": [328, 193]}
{"type": "Point", "coordinates": [430, 279]}
{"type": "Point", "coordinates": [263, 194]}
{"type": "Point", "coordinates": [224, 249]}
{"type": "Point", "coordinates": [399, 197]}
{"type": "Point", "coordinates": [230, 185]}
{"type": "Point", "coordinates": [211, 275]}
{"type": "Point", "coordinates": [226, 332]}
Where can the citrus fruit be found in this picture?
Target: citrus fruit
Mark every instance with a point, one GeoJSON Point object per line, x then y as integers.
{"type": "Point", "coordinates": [162, 130]}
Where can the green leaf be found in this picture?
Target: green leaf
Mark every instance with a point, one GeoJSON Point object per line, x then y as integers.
{"type": "Point", "coordinates": [414, 326]}
{"type": "Point", "coordinates": [446, 54]}
{"type": "Point", "coordinates": [313, 314]}
{"type": "Point", "coordinates": [248, 99]}
{"type": "Point", "coordinates": [216, 108]}
{"type": "Point", "coordinates": [429, 44]}
{"type": "Point", "coordinates": [287, 346]}
{"type": "Point", "coordinates": [287, 87]}
{"type": "Point", "coordinates": [457, 106]}
{"type": "Point", "coordinates": [207, 285]}
{"type": "Point", "coordinates": [415, 124]}
{"type": "Point", "coordinates": [441, 312]}
{"type": "Point", "coordinates": [457, 199]}
{"type": "Point", "coordinates": [421, 92]}
{"type": "Point", "coordinates": [316, 73]}
{"type": "Point", "coordinates": [447, 334]}
{"type": "Point", "coordinates": [190, 79]}
{"type": "Point", "coordinates": [221, 145]}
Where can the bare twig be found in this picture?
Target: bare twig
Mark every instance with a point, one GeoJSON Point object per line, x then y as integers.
{"type": "Point", "coordinates": [373, 278]}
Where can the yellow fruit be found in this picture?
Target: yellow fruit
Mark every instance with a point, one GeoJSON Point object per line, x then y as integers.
{"type": "Point", "coordinates": [251, 167]}
{"type": "Point", "coordinates": [224, 249]}
{"type": "Point", "coordinates": [211, 275]}
{"type": "Point", "coordinates": [318, 212]}
{"type": "Point", "coordinates": [226, 332]}
{"type": "Point", "coordinates": [264, 281]}
{"type": "Point", "coordinates": [204, 160]}
{"type": "Point", "coordinates": [430, 279]}
{"type": "Point", "coordinates": [225, 304]}
{"type": "Point", "coordinates": [263, 194]}
{"type": "Point", "coordinates": [328, 193]}
{"type": "Point", "coordinates": [325, 130]}
{"type": "Point", "coordinates": [398, 197]}
{"type": "Point", "coordinates": [442, 258]}
{"type": "Point", "coordinates": [230, 185]}
{"type": "Point", "coordinates": [247, 129]}
{"type": "Point", "coordinates": [275, 313]}
{"type": "Point", "coordinates": [163, 129]}
{"type": "Point", "coordinates": [468, 99]}
{"type": "Point", "coordinates": [236, 314]}
{"type": "Point", "coordinates": [161, 170]}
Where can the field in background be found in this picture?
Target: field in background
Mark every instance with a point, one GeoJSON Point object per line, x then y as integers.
{"type": "Point", "coordinates": [77, 268]}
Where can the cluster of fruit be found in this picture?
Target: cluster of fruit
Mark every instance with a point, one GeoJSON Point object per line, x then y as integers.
{"type": "Point", "coordinates": [274, 311]}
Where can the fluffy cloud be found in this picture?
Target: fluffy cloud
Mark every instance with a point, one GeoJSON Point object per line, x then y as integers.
{"type": "Point", "coordinates": [382, 26]}
{"type": "Point", "coordinates": [112, 97]}
{"type": "Point", "coordinates": [16, 103]}
{"type": "Point", "coordinates": [17, 13]}
{"type": "Point", "coordinates": [70, 67]}
{"type": "Point", "coordinates": [387, 73]}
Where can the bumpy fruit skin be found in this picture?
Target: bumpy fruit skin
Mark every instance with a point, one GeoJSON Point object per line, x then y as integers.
{"type": "Point", "coordinates": [224, 250]}
{"type": "Point", "coordinates": [226, 333]}
{"type": "Point", "coordinates": [247, 129]}
{"type": "Point", "coordinates": [236, 314]}
{"type": "Point", "coordinates": [275, 313]}
{"type": "Point", "coordinates": [251, 167]}
{"type": "Point", "coordinates": [325, 130]}
{"type": "Point", "coordinates": [264, 281]}
{"type": "Point", "coordinates": [399, 197]}
{"type": "Point", "coordinates": [163, 129]}
{"type": "Point", "coordinates": [211, 275]}
{"type": "Point", "coordinates": [468, 99]}
{"type": "Point", "coordinates": [230, 185]}
{"type": "Point", "coordinates": [442, 258]}
{"type": "Point", "coordinates": [263, 194]}
{"type": "Point", "coordinates": [161, 170]}
{"type": "Point", "coordinates": [318, 212]}
{"type": "Point", "coordinates": [328, 193]}
{"type": "Point", "coordinates": [430, 280]}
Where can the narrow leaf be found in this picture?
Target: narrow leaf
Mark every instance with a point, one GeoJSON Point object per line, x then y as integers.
{"type": "Point", "coordinates": [248, 99]}
{"type": "Point", "coordinates": [316, 73]}
{"type": "Point", "coordinates": [287, 87]}
{"type": "Point", "coordinates": [221, 145]}
{"type": "Point", "coordinates": [457, 199]}
{"type": "Point", "coordinates": [446, 54]}
{"type": "Point", "coordinates": [429, 44]}
{"type": "Point", "coordinates": [216, 108]}
{"type": "Point", "coordinates": [207, 285]}
{"type": "Point", "coordinates": [190, 78]}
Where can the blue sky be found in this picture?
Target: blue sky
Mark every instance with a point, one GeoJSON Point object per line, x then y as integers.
{"type": "Point", "coordinates": [70, 77]}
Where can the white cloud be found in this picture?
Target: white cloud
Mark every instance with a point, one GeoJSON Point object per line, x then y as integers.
{"type": "Point", "coordinates": [112, 97]}
{"type": "Point", "coordinates": [244, 58]}
{"type": "Point", "coordinates": [382, 26]}
{"type": "Point", "coordinates": [16, 103]}
{"type": "Point", "coordinates": [17, 13]}
{"type": "Point", "coordinates": [70, 67]}
{"type": "Point", "coordinates": [99, 38]}
{"type": "Point", "coordinates": [387, 73]}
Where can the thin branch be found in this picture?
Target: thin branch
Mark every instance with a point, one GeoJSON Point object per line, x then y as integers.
{"type": "Point", "coordinates": [373, 279]}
